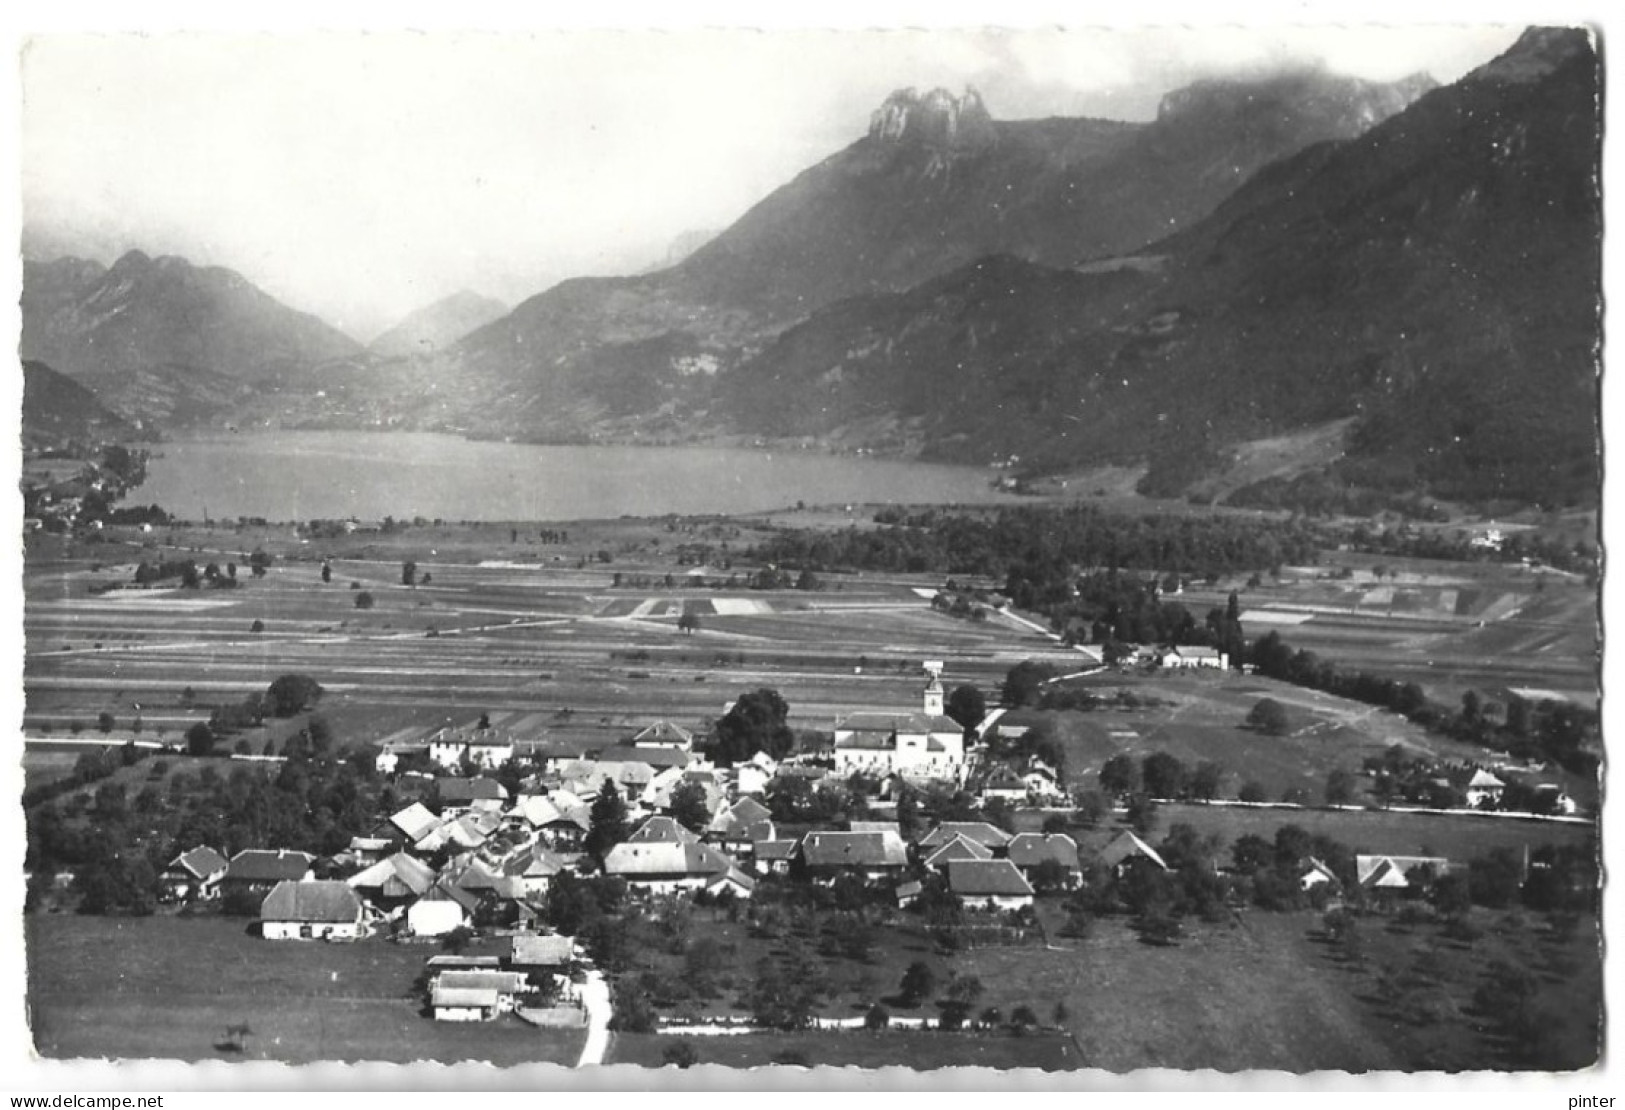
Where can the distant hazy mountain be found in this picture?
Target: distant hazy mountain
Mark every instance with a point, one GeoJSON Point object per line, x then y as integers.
{"type": "Point", "coordinates": [935, 184]}
{"type": "Point", "coordinates": [57, 409]}
{"type": "Point", "coordinates": [438, 325]}
{"type": "Point", "coordinates": [1437, 278]}
{"type": "Point", "coordinates": [164, 339]}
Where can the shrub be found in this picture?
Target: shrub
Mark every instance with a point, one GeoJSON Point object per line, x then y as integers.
{"type": "Point", "coordinates": [257, 626]}
{"type": "Point", "coordinates": [363, 600]}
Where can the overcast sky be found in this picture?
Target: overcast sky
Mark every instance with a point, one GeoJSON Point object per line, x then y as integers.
{"type": "Point", "coordinates": [362, 176]}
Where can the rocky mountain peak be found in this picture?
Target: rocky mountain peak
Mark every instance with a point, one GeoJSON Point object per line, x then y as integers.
{"type": "Point", "coordinates": [939, 119]}
{"type": "Point", "coordinates": [1538, 51]}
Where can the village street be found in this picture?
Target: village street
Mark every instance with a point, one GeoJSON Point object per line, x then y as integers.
{"type": "Point", "coordinates": [595, 999]}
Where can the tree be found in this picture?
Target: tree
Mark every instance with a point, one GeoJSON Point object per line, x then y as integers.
{"type": "Point", "coordinates": [966, 706]}
{"type": "Point", "coordinates": [327, 571]}
{"type": "Point", "coordinates": [918, 984]}
{"type": "Point", "coordinates": [689, 623]}
{"type": "Point", "coordinates": [257, 626]}
{"type": "Point", "coordinates": [200, 739]}
{"type": "Point", "coordinates": [1269, 717]}
{"type": "Point", "coordinates": [258, 562]}
{"type": "Point", "coordinates": [1340, 786]}
{"type": "Point", "coordinates": [104, 722]}
{"type": "Point", "coordinates": [606, 822]}
{"type": "Point", "coordinates": [1142, 813]}
{"type": "Point", "coordinates": [1253, 791]}
{"type": "Point", "coordinates": [1120, 776]}
{"type": "Point", "coordinates": [758, 722]}
{"type": "Point", "coordinates": [877, 1018]}
{"type": "Point", "coordinates": [291, 693]}
{"type": "Point", "coordinates": [1023, 682]}
{"type": "Point", "coordinates": [680, 1055]}
{"type": "Point", "coordinates": [409, 573]}
{"type": "Point", "coordinates": [1206, 780]}
{"type": "Point", "coordinates": [688, 806]}
{"type": "Point", "coordinates": [1092, 807]}
{"type": "Point", "coordinates": [1163, 775]}
{"type": "Point", "coordinates": [364, 600]}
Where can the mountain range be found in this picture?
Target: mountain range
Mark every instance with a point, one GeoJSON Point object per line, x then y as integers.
{"type": "Point", "coordinates": [1419, 265]}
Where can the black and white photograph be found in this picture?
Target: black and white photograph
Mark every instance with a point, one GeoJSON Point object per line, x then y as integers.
{"type": "Point", "coordinates": [1062, 548]}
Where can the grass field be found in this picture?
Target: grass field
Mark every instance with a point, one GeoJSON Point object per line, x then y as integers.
{"type": "Point", "coordinates": [167, 987]}
{"type": "Point", "coordinates": [921, 1051]}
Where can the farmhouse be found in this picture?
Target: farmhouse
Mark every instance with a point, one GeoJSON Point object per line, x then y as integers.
{"type": "Point", "coordinates": [988, 836]}
{"type": "Point", "coordinates": [874, 855]}
{"type": "Point", "coordinates": [664, 866]}
{"type": "Point", "coordinates": [317, 909]}
{"type": "Point", "coordinates": [665, 734]}
{"type": "Point", "coordinates": [257, 870]}
{"type": "Point", "coordinates": [474, 995]}
{"type": "Point", "coordinates": [463, 795]}
{"type": "Point", "coordinates": [193, 875]}
{"type": "Point", "coordinates": [394, 881]}
{"type": "Point", "coordinates": [1029, 850]}
{"type": "Point", "coordinates": [489, 748]}
{"type": "Point", "coordinates": [1128, 848]}
{"type": "Point", "coordinates": [995, 884]}
{"type": "Point", "coordinates": [411, 824]}
{"type": "Point", "coordinates": [1315, 873]}
{"type": "Point", "coordinates": [1194, 656]}
{"type": "Point", "coordinates": [741, 825]}
{"type": "Point", "coordinates": [446, 908]}
{"type": "Point", "coordinates": [392, 753]}
{"type": "Point", "coordinates": [535, 869]}
{"type": "Point", "coordinates": [774, 857]}
{"type": "Point", "coordinates": [1483, 789]}
{"type": "Point", "coordinates": [959, 848]}
{"type": "Point", "coordinates": [1398, 874]}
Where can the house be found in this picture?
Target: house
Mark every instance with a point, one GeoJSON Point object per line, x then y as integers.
{"type": "Point", "coordinates": [1314, 874]}
{"type": "Point", "coordinates": [1194, 657]}
{"type": "Point", "coordinates": [994, 884]}
{"type": "Point", "coordinates": [258, 870]}
{"type": "Point", "coordinates": [561, 819]}
{"type": "Point", "coordinates": [1555, 799]}
{"type": "Point", "coordinates": [959, 848]}
{"type": "Point", "coordinates": [1484, 790]}
{"type": "Point", "coordinates": [661, 789]}
{"type": "Point", "coordinates": [535, 869]}
{"type": "Point", "coordinates": [457, 795]}
{"type": "Point", "coordinates": [193, 875]}
{"type": "Point", "coordinates": [733, 883]}
{"type": "Point", "coordinates": [463, 833]}
{"type": "Point", "coordinates": [665, 734]}
{"type": "Point", "coordinates": [741, 825]}
{"type": "Point", "coordinates": [988, 836]}
{"type": "Point", "coordinates": [1029, 850]}
{"type": "Point", "coordinates": [1128, 848]}
{"type": "Point", "coordinates": [540, 952]}
{"type": "Point", "coordinates": [908, 893]}
{"type": "Point", "coordinates": [775, 857]}
{"type": "Point", "coordinates": [368, 850]}
{"type": "Point", "coordinates": [1398, 874]}
{"type": "Point", "coordinates": [413, 823]}
{"type": "Point", "coordinates": [444, 909]}
{"type": "Point", "coordinates": [488, 748]}
{"type": "Point", "coordinates": [392, 753]}
{"type": "Point", "coordinates": [315, 909]}
{"type": "Point", "coordinates": [474, 995]}
{"type": "Point", "coordinates": [1042, 783]}
{"type": "Point", "coordinates": [666, 866]}
{"type": "Point", "coordinates": [826, 856]}
{"type": "Point", "coordinates": [394, 881]}
{"type": "Point", "coordinates": [923, 745]}
{"type": "Point", "coordinates": [1003, 783]}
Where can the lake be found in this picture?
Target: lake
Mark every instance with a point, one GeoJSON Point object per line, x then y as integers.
{"type": "Point", "coordinates": [370, 475]}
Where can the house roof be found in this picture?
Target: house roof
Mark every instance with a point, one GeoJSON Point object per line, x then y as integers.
{"type": "Point", "coordinates": [447, 891]}
{"type": "Point", "coordinates": [888, 723]}
{"type": "Point", "coordinates": [875, 826]}
{"type": "Point", "coordinates": [850, 849]}
{"type": "Point", "coordinates": [662, 830]}
{"type": "Point", "coordinates": [959, 848]}
{"type": "Point", "coordinates": [415, 821]}
{"type": "Point", "coordinates": [396, 877]}
{"type": "Point", "coordinates": [256, 865]}
{"type": "Point", "coordinates": [1031, 849]}
{"type": "Point", "coordinates": [651, 758]}
{"type": "Point", "coordinates": [988, 836]}
{"type": "Point", "coordinates": [1392, 871]}
{"type": "Point", "coordinates": [538, 863]}
{"type": "Point", "coordinates": [1196, 651]}
{"type": "Point", "coordinates": [664, 732]}
{"type": "Point", "coordinates": [1127, 846]}
{"type": "Point", "coordinates": [987, 877]}
{"type": "Point", "coordinates": [201, 862]}
{"type": "Point", "coordinates": [651, 859]}
{"type": "Point", "coordinates": [458, 791]}
{"type": "Point", "coordinates": [768, 850]}
{"type": "Point", "coordinates": [733, 877]}
{"type": "Point", "coordinates": [910, 889]}
{"type": "Point", "coordinates": [533, 950]}
{"type": "Point", "coordinates": [318, 900]}
{"type": "Point", "coordinates": [474, 988]}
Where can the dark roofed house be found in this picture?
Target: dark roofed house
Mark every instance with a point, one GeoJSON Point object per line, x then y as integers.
{"type": "Point", "coordinates": [317, 909]}
{"type": "Point", "coordinates": [1028, 850]}
{"type": "Point", "coordinates": [529, 952]}
{"type": "Point", "coordinates": [662, 830]}
{"type": "Point", "coordinates": [828, 855]}
{"type": "Point", "coordinates": [995, 884]}
{"type": "Point", "coordinates": [741, 825]}
{"type": "Point", "coordinates": [988, 836]}
{"type": "Point", "coordinates": [474, 995]}
{"type": "Point", "coordinates": [457, 795]}
{"type": "Point", "coordinates": [775, 857]}
{"type": "Point", "coordinates": [655, 759]}
{"type": "Point", "coordinates": [665, 734]}
{"type": "Point", "coordinates": [257, 870]}
{"type": "Point", "coordinates": [1127, 849]}
{"type": "Point", "coordinates": [394, 881]}
{"type": "Point", "coordinates": [193, 875]}
{"type": "Point", "coordinates": [959, 848]}
{"type": "Point", "coordinates": [665, 866]}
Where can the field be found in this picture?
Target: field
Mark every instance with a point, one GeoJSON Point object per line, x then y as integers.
{"type": "Point", "coordinates": [167, 987]}
{"type": "Point", "coordinates": [921, 1051]}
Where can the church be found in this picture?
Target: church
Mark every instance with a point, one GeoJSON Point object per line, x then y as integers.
{"type": "Point", "coordinates": [922, 745]}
